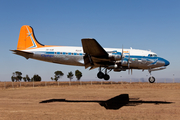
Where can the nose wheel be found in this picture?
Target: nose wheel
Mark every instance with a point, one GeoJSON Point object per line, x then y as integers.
{"type": "Point", "coordinates": [152, 79]}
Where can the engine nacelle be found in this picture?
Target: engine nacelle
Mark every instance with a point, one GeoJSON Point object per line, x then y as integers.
{"type": "Point", "coordinates": [122, 63]}
{"type": "Point", "coordinates": [112, 66]}
{"type": "Point", "coordinates": [119, 69]}
{"type": "Point", "coordinates": [115, 56]}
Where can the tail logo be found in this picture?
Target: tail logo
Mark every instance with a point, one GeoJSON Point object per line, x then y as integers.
{"type": "Point", "coordinates": [32, 39]}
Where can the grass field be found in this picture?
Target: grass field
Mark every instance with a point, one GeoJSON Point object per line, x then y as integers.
{"type": "Point", "coordinates": [81, 102]}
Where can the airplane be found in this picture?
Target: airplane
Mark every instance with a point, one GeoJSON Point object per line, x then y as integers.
{"type": "Point", "coordinates": [91, 55]}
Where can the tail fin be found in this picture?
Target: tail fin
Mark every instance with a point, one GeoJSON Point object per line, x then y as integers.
{"type": "Point", "coordinates": [27, 39]}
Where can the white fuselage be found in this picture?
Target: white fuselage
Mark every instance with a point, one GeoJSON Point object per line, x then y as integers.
{"type": "Point", "coordinates": [140, 59]}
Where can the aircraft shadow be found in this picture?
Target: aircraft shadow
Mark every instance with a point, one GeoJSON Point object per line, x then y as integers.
{"type": "Point", "coordinates": [114, 103]}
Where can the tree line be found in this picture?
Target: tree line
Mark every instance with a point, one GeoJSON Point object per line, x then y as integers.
{"type": "Point", "coordinates": [17, 76]}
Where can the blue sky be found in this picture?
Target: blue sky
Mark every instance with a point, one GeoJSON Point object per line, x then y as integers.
{"type": "Point", "coordinates": [141, 24]}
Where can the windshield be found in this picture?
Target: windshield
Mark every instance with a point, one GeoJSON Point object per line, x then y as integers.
{"type": "Point", "coordinates": [152, 55]}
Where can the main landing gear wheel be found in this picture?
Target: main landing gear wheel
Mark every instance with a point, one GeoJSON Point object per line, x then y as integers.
{"type": "Point", "coordinates": [151, 79]}
{"type": "Point", "coordinates": [100, 75]}
{"type": "Point", "coordinates": [106, 77]}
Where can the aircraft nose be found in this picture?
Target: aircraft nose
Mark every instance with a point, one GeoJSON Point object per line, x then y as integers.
{"type": "Point", "coordinates": [166, 63]}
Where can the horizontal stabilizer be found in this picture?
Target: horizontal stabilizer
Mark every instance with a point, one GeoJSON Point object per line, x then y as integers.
{"type": "Point", "coordinates": [27, 55]}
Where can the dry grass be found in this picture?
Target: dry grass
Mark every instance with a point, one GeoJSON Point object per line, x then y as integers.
{"type": "Point", "coordinates": [23, 102]}
{"type": "Point", "coordinates": [5, 85]}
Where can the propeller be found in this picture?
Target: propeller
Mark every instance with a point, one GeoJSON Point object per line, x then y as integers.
{"type": "Point", "coordinates": [129, 62]}
{"type": "Point", "coordinates": [122, 54]}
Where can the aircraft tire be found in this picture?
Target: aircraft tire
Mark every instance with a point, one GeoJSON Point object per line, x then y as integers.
{"type": "Point", "coordinates": [106, 77]}
{"type": "Point", "coordinates": [152, 79]}
{"type": "Point", "coordinates": [100, 75]}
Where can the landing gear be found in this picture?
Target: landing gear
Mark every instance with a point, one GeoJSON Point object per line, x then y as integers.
{"type": "Point", "coordinates": [152, 79]}
{"type": "Point", "coordinates": [101, 75]}
{"type": "Point", "coordinates": [106, 77]}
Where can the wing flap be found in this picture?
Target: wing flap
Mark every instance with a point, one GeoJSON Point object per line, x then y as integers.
{"type": "Point", "coordinates": [88, 61]}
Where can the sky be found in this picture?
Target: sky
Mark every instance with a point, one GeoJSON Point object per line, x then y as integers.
{"type": "Point", "coordinates": [141, 24]}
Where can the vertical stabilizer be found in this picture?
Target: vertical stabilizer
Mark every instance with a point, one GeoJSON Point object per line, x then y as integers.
{"type": "Point", "coordinates": [27, 39]}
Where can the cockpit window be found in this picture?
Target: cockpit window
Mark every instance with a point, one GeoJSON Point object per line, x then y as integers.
{"type": "Point", "coordinates": [152, 55]}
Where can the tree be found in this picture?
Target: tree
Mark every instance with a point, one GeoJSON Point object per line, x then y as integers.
{"type": "Point", "coordinates": [58, 74]}
{"type": "Point", "coordinates": [24, 78]}
{"type": "Point", "coordinates": [78, 74]}
{"type": "Point", "coordinates": [16, 76]}
{"type": "Point", "coordinates": [12, 78]}
{"type": "Point", "coordinates": [27, 78]}
{"type": "Point", "coordinates": [36, 78]}
{"type": "Point", "coordinates": [70, 76]}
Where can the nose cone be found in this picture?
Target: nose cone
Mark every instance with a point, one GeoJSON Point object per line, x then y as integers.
{"type": "Point", "coordinates": [166, 63]}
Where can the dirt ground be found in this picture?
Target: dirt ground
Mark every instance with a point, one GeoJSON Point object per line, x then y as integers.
{"type": "Point", "coordinates": [81, 102]}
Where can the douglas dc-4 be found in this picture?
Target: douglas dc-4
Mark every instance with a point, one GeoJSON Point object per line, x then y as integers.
{"type": "Point", "coordinates": [91, 54]}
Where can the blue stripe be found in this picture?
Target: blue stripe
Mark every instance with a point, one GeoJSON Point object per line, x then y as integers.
{"type": "Point", "coordinates": [49, 52]}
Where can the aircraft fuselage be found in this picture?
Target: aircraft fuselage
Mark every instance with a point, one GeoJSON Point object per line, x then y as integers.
{"type": "Point", "coordinates": [140, 59]}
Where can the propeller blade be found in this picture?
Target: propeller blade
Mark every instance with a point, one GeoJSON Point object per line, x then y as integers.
{"type": "Point", "coordinates": [128, 61]}
{"type": "Point", "coordinates": [122, 53]}
{"type": "Point", "coordinates": [121, 56]}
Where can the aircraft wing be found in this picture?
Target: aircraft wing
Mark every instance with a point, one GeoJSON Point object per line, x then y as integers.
{"type": "Point", "coordinates": [27, 55]}
{"type": "Point", "coordinates": [95, 55]}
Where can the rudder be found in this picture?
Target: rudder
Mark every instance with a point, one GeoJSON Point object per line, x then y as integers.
{"type": "Point", "coordinates": [27, 39]}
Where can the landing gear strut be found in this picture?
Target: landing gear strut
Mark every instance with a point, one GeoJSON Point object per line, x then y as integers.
{"type": "Point", "coordinates": [101, 75]}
